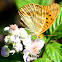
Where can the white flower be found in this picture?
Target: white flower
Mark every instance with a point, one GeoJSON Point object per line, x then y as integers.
{"type": "Point", "coordinates": [18, 47]}
{"type": "Point", "coordinates": [26, 57]}
{"type": "Point", "coordinates": [36, 47]}
{"type": "Point", "coordinates": [15, 32]}
{"type": "Point", "coordinates": [12, 51]}
{"type": "Point", "coordinates": [33, 48]}
{"type": "Point", "coordinates": [6, 28]}
{"type": "Point", "coordinates": [27, 41]}
{"type": "Point", "coordinates": [14, 29]}
{"type": "Point", "coordinates": [23, 33]}
{"type": "Point", "coordinates": [26, 53]}
{"type": "Point", "coordinates": [31, 58]}
{"type": "Point", "coordinates": [14, 38]}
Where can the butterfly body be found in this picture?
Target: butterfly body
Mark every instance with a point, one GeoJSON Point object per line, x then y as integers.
{"type": "Point", "coordinates": [38, 18]}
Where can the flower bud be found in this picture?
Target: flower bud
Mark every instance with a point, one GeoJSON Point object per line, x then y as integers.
{"type": "Point", "coordinates": [6, 30]}
{"type": "Point", "coordinates": [5, 51]}
{"type": "Point", "coordinates": [7, 39]}
{"type": "Point", "coordinates": [23, 33]}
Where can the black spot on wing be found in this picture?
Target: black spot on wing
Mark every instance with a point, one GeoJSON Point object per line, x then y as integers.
{"type": "Point", "coordinates": [50, 15]}
{"type": "Point", "coordinates": [46, 22]}
{"type": "Point", "coordinates": [46, 18]}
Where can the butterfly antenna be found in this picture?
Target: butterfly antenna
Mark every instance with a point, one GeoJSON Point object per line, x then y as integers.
{"type": "Point", "coordinates": [50, 35]}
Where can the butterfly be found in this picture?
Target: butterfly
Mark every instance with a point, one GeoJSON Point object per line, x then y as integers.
{"type": "Point", "coordinates": [38, 18]}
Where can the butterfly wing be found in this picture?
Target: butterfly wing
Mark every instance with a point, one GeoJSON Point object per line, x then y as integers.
{"type": "Point", "coordinates": [33, 16]}
{"type": "Point", "coordinates": [52, 11]}
{"type": "Point", "coordinates": [22, 23]}
{"type": "Point", "coordinates": [38, 18]}
{"type": "Point", "coordinates": [24, 12]}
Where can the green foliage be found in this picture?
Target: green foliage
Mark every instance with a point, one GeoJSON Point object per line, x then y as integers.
{"type": "Point", "coordinates": [53, 51]}
{"type": "Point", "coordinates": [43, 60]}
{"type": "Point", "coordinates": [27, 31]}
{"type": "Point", "coordinates": [20, 3]}
{"type": "Point", "coordinates": [44, 55]}
{"type": "Point", "coordinates": [33, 37]}
{"type": "Point", "coordinates": [56, 27]}
{"type": "Point", "coordinates": [43, 2]}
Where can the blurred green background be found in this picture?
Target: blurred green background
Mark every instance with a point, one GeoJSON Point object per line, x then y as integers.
{"type": "Point", "coordinates": [9, 15]}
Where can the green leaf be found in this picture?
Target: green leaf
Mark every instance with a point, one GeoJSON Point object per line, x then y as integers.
{"type": "Point", "coordinates": [33, 37]}
{"type": "Point", "coordinates": [56, 27]}
{"type": "Point", "coordinates": [20, 3]}
{"type": "Point", "coordinates": [43, 2]}
{"type": "Point", "coordinates": [43, 60]}
{"type": "Point", "coordinates": [57, 46]}
{"type": "Point", "coordinates": [27, 31]}
{"type": "Point", "coordinates": [54, 51]}
{"type": "Point", "coordinates": [44, 55]}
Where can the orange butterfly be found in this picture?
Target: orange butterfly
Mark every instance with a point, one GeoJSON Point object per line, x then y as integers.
{"type": "Point", "coordinates": [38, 18]}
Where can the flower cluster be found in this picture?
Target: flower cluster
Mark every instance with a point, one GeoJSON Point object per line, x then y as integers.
{"type": "Point", "coordinates": [18, 37]}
